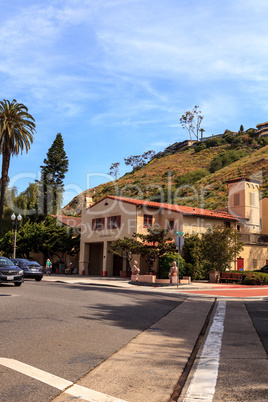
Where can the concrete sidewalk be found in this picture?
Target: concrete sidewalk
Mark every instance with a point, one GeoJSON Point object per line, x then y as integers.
{"type": "Point", "coordinates": [149, 366]}
{"type": "Point", "coordinates": [109, 281]}
{"type": "Point", "coordinates": [200, 288]}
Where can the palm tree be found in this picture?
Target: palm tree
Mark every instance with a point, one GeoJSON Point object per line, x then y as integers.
{"type": "Point", "coordinates": [17, 127]}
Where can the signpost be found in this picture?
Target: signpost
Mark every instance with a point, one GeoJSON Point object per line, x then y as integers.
{"type": "Point", "coordinates": [179, 242]}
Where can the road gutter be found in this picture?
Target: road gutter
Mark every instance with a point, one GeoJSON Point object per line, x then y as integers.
{"type": "Point", "coordinates": [203, 384]}
{"type": "Point", "coordinates": [189, 365]}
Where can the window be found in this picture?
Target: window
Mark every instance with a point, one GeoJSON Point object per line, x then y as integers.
{"type": "Point", "coordinates": [252, 199]}
{"type": "Point", "coordinates": [227, 224]}
{"type": "Point", "coordinates": [98, 224]}
{"type": "Point", "coordinates": [147, 221]}
{"type": "Point", "coordinates": [236, 199]}
{"type": "Point", "coordinates": [114, 222]}
{"type": "Point", "coordinates": [171, 225]}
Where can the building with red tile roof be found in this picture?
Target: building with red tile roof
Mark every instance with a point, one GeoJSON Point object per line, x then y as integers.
{"type": "Point", "coordinates": [69, 221]}
{"type": "Point", "coordinates": [116, 217]}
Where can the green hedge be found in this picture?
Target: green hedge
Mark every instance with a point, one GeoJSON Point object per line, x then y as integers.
{"type": "Point", "coordinates": [255, 278]}
{"type": "Point", "coordinates": [252, 277]}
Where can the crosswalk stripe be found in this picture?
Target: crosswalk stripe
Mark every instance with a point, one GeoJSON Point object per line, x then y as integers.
{"type": "Point", "coordinates": [57, 382]}
{"type": "Point", "coordinates": [203, 384]}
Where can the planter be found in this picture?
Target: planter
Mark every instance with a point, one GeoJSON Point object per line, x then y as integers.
{"type": "Point", "coordinates": [134, 278]}
{"type": "Point", "coordinates": [147, 278]}
{"type": "Point", "coordinates": [164, 281]}
{"type": "Point", "coordinates": [125, 274]}
{"type": "Point", "coordinates": [214, 276]}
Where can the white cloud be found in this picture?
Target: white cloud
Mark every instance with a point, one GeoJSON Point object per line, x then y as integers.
{"type": "Point", "coordinates": [135, 57]}
{"type": "Point", "coordinates": [121, 72]}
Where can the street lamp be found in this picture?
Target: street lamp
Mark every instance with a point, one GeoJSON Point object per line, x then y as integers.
{"type": "Point", "coordinates": [16, 224]}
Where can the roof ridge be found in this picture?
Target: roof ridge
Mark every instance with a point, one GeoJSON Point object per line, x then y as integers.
{"type": "Point", "coordinates": [176, 208]}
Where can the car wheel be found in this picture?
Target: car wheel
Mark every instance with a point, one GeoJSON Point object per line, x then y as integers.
{"type": "Point", "coordinates": [17, 283]}
{"type": "Point", "coordinates": [38, 279]}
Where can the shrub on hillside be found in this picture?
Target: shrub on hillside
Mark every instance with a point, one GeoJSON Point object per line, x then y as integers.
{"type": "Point", "coordinates": [228, 137]}
{"type": "Point", "coordinates": [191, 177]}
{"type": "Point", "coordinates": [225, 158]}
{"type": "Point", "coordinates": [199, 147]}
{"type": "Point", "coordinates": [238, 140]}
{"type": "Point", "coordinates": [263, 141]}
{"type": "Point", "coordinates": [215, 142]}
{"type": "Point", "coordinates": [253, 133]}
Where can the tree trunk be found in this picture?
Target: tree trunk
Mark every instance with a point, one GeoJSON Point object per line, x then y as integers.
{"type": "Point", "coordinates": [4, 179]}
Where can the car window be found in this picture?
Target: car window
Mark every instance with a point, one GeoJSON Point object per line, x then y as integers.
{"type": "Point", "coordinates": [5, 262]}
{"type": "Point", "coordinates": [19, 261]}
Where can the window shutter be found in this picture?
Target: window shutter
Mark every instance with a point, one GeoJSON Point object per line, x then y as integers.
{"type": "Point", "coordinates": [93, 224]}
{"type": "Point", "coordinates": [118, 221]}
{"type": "Point", "coordinates": [236, 199]}
{"type": "Point", "coordinates": [252, 199]}
{"type": "Point", "coordinates": [102, 223]}
{"type": "Point", "coordinates": [109, 222]}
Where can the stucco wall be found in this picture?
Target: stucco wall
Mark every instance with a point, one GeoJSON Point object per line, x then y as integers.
{"type": "Point", "coordinates": [105, 209]}
{"type": "Point", "coordinates": [249, 205]}
{"type": "Point", "coordinates": [264, 213]}
{"type": "Point", "coordinates": [255, 256]}
{"type": "Point", "coordinates": [196, 224]}
{"type": "Point", "coordinates": [132, 220]}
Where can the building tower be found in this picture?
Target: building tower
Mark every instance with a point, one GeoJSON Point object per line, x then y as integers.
{"type": "Point", "coordinates": [244, 202]}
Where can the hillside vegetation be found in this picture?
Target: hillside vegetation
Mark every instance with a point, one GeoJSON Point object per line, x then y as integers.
{"type": "Point", "coordinates": [194, 176]}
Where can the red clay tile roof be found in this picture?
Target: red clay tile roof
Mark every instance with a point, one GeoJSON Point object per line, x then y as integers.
{"type": "Point", "coordinates": [243, 179]}
{"type": "Point", "coordinates": [175, 208]}
{"type": "Point", "coordinates": [70, 221]}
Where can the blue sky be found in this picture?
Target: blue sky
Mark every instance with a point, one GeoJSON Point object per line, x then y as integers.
{"type": "Point", "coordinates": [114, 76]}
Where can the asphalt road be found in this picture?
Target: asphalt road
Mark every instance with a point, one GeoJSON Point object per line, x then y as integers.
{"type": "Point", "coordinates": [258, 311]}
{"type": "Point", "coordinates": [66, 330]}
{"type": "Point", "coordinates": [131, 344]}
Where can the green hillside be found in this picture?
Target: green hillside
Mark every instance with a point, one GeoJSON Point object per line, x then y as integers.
{"type": "Point", "coordinates": [191, 176]}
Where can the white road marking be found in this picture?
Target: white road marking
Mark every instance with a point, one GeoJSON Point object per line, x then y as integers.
{"type": "Point", "coordinates": [58, 382]}
{"type": "Point", "coordinates": [203, 383]}
{"type": "Point", "coordinates": [33, 372]}
{"type": "Point", "coordinates": [90, 395]}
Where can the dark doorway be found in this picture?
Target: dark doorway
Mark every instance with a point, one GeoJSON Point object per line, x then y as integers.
{"type": "Point", "coordinates": [117, 265]}
{"type": "Point", "coordinates": [95, 259]}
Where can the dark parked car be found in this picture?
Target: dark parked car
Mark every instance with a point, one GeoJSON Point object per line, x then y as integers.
{"type": "Point", "coordinates": [10, 273]}
{"type": "Point", "coordinates": [31, 268]}
{"type": "Point", "coordinates": [263, 269]}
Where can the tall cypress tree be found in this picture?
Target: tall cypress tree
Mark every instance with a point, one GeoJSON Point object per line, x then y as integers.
{"type": "Point", "coordinates": [52, 175]}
